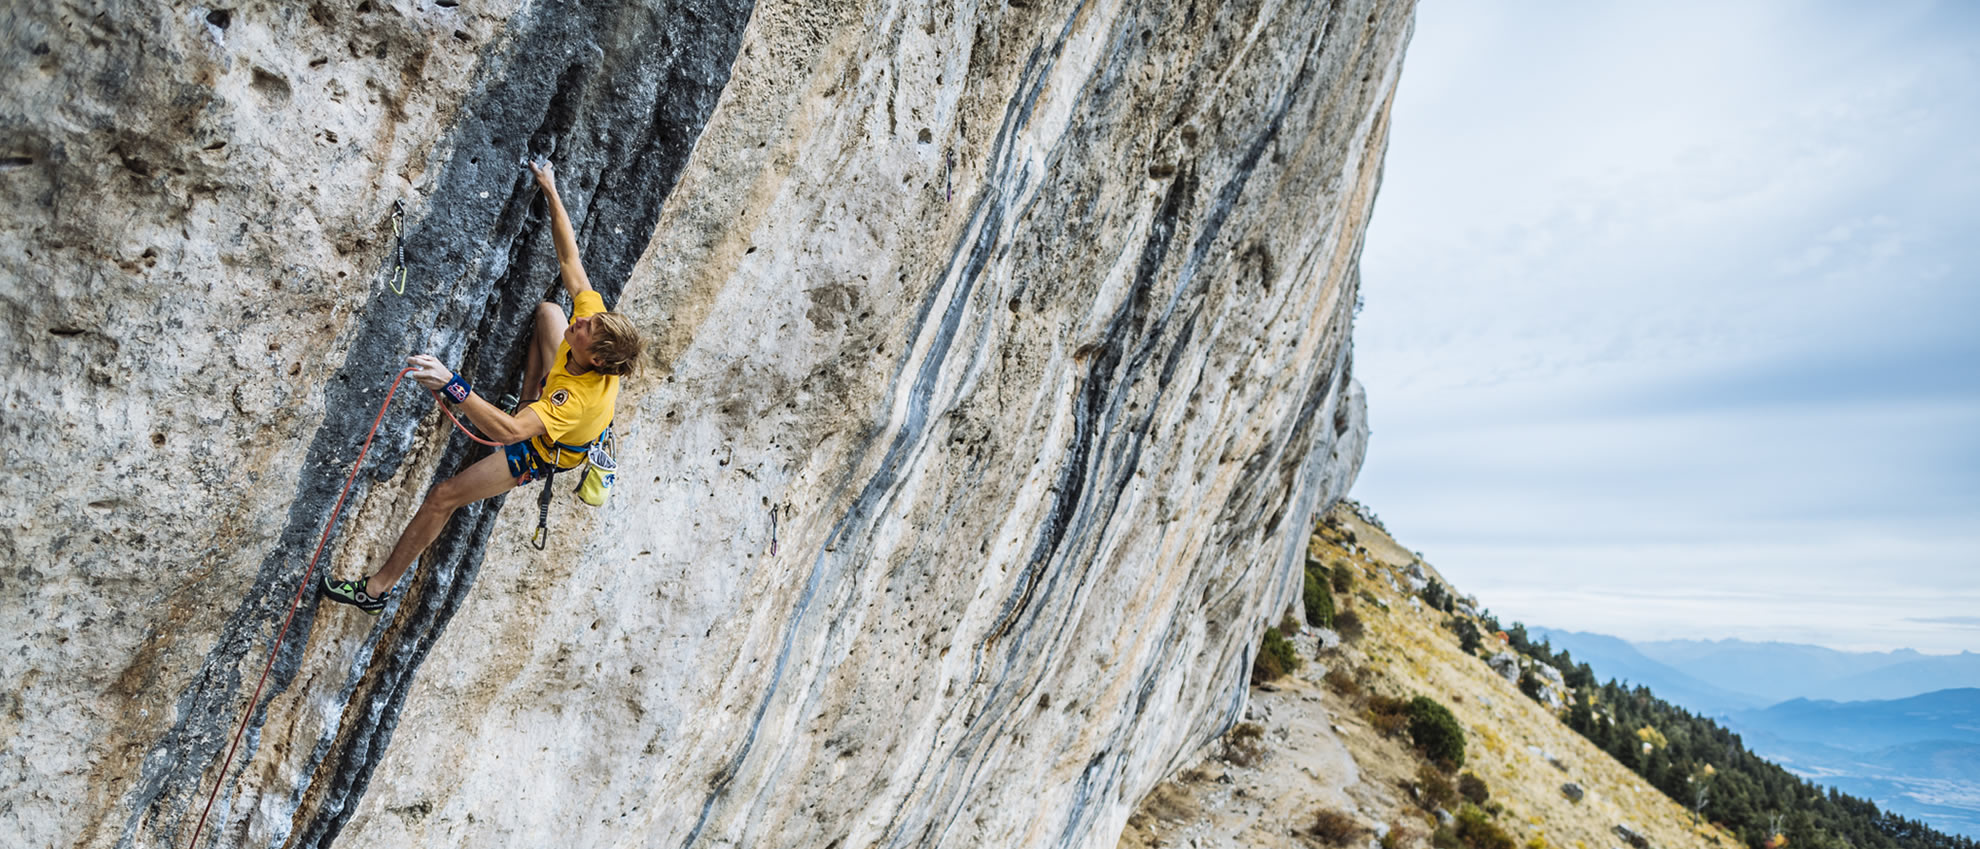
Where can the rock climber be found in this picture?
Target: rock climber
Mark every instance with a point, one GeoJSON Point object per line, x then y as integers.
{"type": "Point", "coordinates": [573, 370]}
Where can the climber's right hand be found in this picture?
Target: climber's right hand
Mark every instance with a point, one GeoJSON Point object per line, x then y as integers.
{"type": "Point", "coordinates": [546, 175]}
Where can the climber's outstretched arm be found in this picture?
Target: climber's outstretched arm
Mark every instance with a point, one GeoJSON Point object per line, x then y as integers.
{"type": "Point", "coordinates": [561, 233]}
{"type": "Point", "coordinates": [494, 424]}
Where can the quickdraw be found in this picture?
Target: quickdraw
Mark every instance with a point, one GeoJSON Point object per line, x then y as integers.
{"type": "Point", "coordinates": [398, 248]}
{"type": "Point", "coordinates": [541, 538]}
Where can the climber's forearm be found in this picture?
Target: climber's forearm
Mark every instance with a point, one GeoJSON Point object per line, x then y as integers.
{"type": "Point", "coordinates": [565, 239]}
{"type": "Point", "coordinates": [497, 425]}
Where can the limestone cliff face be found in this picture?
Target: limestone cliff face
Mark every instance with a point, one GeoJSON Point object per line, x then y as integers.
{"type": "Point", "coordinates": [1027, 321]}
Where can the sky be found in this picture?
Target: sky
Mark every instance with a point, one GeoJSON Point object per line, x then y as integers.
{"type": "Point", "coordinates": [1672, 317]}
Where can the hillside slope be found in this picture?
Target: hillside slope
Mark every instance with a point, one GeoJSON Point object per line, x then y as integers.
{"type": "Point", "coordinates": [1323, 750]}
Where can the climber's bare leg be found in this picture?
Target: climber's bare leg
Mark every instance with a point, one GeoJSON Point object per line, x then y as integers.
{"type": "Point", "coordinates": [550, 326]}
{"type": "Point", "coordinates": [487, 478]}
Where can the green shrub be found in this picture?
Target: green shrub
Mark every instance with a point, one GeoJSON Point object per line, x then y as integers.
{"type": "Point", "coordinates": [1433, 790]}
{"type": "Point", "coordinates": [1319, 601]}
{"type": "Point", "coordinates": [1467, 633]}
{"type": "Point", "coordinates": [1479, 832]}
{"type": "Point", "coordinates": [1445, 838]}
{"type": "Point", "coordinates": [1343, 582]}
{"type": "Point", "coordinates": [1473, 789]}
{"type": "Point", "coordinates": [1276, 658]}
{"type": "Point", "coordinates": [1436, 597]}
{"type": "Point", "coordinates": [1347, 623]}
{"type": "Point", "coordinates": [1530, 684]}
{"type": "Point", "coordinates": [1435, 731]}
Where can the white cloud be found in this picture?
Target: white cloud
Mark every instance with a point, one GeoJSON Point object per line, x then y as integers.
{"type": "Point", "coordinates": [1647, 272]}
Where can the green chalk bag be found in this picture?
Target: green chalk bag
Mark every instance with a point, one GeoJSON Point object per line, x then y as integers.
{"type": "Point", "coordinates": [600, 470]}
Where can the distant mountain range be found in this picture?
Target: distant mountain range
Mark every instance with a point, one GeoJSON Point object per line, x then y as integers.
{"type": "Point", "coordinates": [1717, 677]}
{"type": "Point", "coordinates": [1909, 738]}
{"type": "Point", "coordinates": [1613, 657]}
{"type": "Point", "coordinates": [1943, 716]}
{"type": "Point", "coordinates": [1780, 671]}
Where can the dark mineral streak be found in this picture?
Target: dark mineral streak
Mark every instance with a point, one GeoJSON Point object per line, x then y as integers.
{"type": "Point", "coordinates": [615, 94]}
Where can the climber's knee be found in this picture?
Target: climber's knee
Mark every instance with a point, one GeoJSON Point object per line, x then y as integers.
{"type": "Point", "coordinates": [487, 478]}
{"type": "Point", "coordinates": [550, 323]}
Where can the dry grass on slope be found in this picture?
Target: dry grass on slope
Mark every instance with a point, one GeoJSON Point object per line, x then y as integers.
{"type": "Point", "coordinates": [1510, 736]}
{"type": "Point", "coordinates": [1324, 751]}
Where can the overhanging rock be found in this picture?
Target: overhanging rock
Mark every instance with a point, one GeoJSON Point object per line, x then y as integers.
{"type": "Point", "coordinates": [1029, 322]}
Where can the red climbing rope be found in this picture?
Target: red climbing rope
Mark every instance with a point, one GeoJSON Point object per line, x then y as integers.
{"type": "Point", "coordinates": [309, 574]}
{"type": "Point", "coordinates": [450, 414]}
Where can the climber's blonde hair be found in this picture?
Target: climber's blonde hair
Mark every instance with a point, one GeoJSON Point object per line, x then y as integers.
{"type": "Point", "coordinates": [615, 344]}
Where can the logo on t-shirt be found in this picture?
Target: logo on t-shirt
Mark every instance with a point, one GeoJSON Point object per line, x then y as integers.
{"type": "Point", "coordinates": [558, 397]}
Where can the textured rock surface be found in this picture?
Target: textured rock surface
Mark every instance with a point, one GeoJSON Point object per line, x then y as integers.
{"type": "Point", "coordinates": [1029, 321]}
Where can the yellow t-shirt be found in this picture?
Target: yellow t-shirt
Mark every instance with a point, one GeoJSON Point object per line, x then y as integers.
{"type": "Point", "coordinates": [575, 408]}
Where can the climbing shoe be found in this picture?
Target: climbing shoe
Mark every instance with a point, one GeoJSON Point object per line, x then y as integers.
{"type": "Point", "coordinates": [352, 593]}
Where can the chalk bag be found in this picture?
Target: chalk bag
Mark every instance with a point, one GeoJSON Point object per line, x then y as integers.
{"type": "Point", "coordinates": [600, 470]}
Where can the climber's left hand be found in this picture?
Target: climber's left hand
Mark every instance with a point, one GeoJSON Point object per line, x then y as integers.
{"type": "Point", "coordinates": [546, 175]}
{"type": "Point", "coordinates": [428, 371]}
